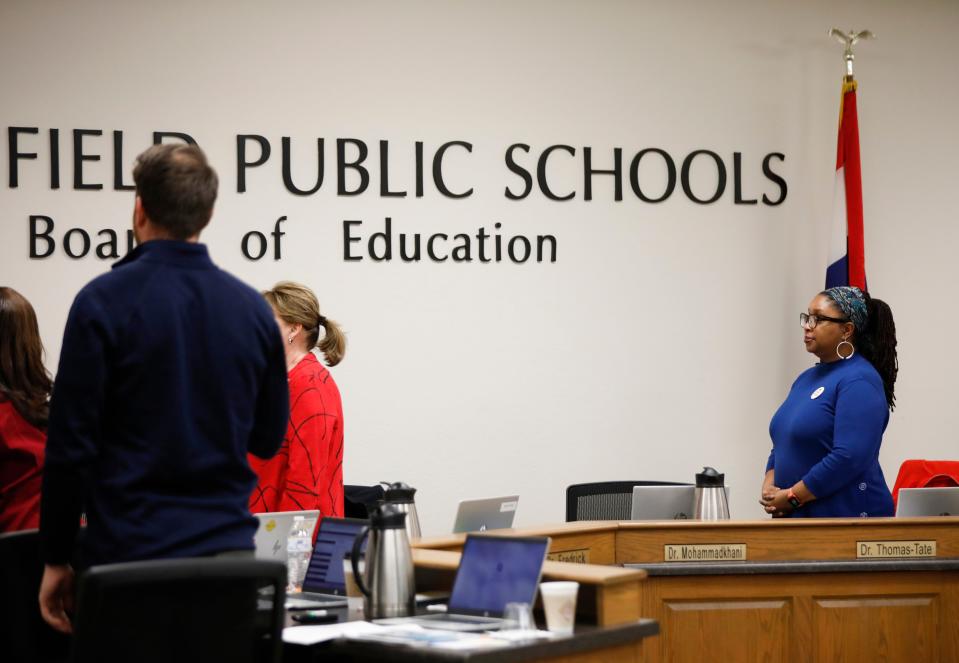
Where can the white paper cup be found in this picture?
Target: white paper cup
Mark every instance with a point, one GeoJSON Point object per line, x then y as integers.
{"type": "Point", "coordinates": [559, 604]}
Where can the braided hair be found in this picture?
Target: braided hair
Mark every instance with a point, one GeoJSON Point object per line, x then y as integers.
{"type": "Point", "coordinates": [877, 342]}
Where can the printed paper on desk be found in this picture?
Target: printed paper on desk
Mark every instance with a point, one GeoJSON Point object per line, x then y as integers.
{"type": "Point", "coordinates": [310, 635]}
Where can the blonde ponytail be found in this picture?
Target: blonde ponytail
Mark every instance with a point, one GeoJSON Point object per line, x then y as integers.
{"type": "Point", "coordinates": [333, 345]}
{"type": "Point", "coordinates": [294, 303]}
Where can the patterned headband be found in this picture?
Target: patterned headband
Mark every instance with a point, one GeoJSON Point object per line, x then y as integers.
{"type": "Point", "coordinates": [851, 302]}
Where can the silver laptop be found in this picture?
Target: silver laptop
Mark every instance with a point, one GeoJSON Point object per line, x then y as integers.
{"type": "Point", "coordinates": [665, 502]}
{"type": "Point", "coordinates": [484, 514]}
{"type": "Point", "coordinates": [274, 528]}
{"type": "Point", "coordinates": [928, 502]}
{"type": "Point", "coordinates": [493, 571]}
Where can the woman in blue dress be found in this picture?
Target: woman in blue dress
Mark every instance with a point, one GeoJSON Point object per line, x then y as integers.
{"type": "Point", "coordinates": [826, 435]}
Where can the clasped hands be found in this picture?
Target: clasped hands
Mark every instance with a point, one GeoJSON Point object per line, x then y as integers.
{"type": "Point", "coordinates": [775, 501]}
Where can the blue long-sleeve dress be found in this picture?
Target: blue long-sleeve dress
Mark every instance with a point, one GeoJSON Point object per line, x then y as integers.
{"type": "Point", "coordinates": [827, 432]}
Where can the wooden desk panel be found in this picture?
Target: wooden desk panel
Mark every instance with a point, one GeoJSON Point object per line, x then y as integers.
{"type": "Point", "coordinates": [823, 618]}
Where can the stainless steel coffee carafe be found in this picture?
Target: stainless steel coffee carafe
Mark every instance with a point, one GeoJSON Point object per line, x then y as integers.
{"type": "Point", "coordinates": [387, 581]}
{"type": "Point", "coordinates": [710, 497]}
{"type": "Point", "coordinates": [400, 495]}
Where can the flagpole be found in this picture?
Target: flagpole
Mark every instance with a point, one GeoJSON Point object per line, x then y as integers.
{"type": "Point", "coordinates": [847, 255]}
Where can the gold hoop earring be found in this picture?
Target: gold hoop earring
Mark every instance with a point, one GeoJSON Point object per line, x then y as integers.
{"type": "Point", "coordinates": [852, 349]}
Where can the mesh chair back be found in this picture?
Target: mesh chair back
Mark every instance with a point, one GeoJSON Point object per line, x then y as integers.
{"type": "Point", "coordinates": [198, 609]}
{"type": "Point", "coordinates": [605, 500]}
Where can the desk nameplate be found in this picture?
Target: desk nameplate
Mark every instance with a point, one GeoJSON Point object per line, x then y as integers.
{"type": "Point", "coordinates": [704, 552]}
{"type": "Point", "coordinates": [580, 556]}
{"type": "Point", "coordinates": [895, 549]}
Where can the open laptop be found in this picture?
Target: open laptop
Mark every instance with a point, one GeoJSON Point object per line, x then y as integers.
{"type": "Point", "coordinates": [273, 530]}
{"type": "Point", "coordinates": [665, 502]}
{"type": "Point", "coordinates": [493, 571]}
{"type": "Point", "coordinates": [484, 514]}
{"type": "Point", "coordinates": [942, 501]}
{"type": "Point", "coordinates": [324, 585]}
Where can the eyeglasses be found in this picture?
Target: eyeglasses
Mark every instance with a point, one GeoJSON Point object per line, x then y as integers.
{"type": "Point", "coordinates": [810, 321]}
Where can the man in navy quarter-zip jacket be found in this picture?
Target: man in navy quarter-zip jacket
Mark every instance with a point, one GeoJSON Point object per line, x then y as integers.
{"type": "Point", "coordinates": [171, 370]}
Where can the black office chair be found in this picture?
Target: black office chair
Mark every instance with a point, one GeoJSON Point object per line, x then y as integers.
{"type": "Point", "coordinates": [358, 500]}
{"type": "Point", "coordinates": [24, 636]}
{"type": "Point", "coordinates": [174, 611]}
{"type": "Point", "coordinates": [605, 500]}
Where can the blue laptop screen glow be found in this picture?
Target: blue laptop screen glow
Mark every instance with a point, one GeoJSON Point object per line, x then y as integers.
{"type": "Point", "coordinates": [333, 541]}
{"type": "Point", "coordinates": [495, 571]}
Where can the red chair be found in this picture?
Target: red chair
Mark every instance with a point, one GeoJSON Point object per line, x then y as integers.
{"type": "Point", "coordinates": [926, 474]}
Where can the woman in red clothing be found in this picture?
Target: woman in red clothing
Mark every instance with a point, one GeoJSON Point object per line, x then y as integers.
{"type": "Point", "coordinates": [307, 471]}
{"type": "Point", "coordinates": [24, 406]}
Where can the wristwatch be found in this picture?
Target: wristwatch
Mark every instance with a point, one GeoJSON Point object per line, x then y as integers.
{"type": "Point", "coordinates": [792, 499]}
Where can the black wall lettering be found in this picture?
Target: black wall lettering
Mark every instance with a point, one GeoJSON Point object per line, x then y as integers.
{"type": "Point", "coordinates": [13, 134]}
{"type": "Point", "coordinates": [670, 175]}
{"type": "Point", "coordinates": [118, 164]}
{"type": "Point", "coordinates": [527, 249]}
{"type": "Point", "coordinates": [37, 236]}
{"type": "Point", "coordinates": [108, 247]}
{"type": "Point", "coordinates": [242, 164]}
{"type": "Point", "coordinates": [385, 173]}
{"type": "Point", "coordinates": [54, 158]}
{"type": "Point", "coordinates": [519, 170]}
{"type": "Point", "coordinates": [387, 240]}
{"type": "Point", "coordinates": [616, 172]}
{"type": "Point", "coordinates": [542, 240]}
{"type": "Point", "coordinates": [738, 181]}
{"type": "Point", "coordinates": [429, 247]}
{"type": "Point", "coordinates": [438, 169]}
{"type": "Point", "coordinates": [357, 165]}
{"type": "Point", "coordinates": [419, 169]}
{"type": "Point", "coordinates": [84, 243]}
{"type": "Point", "coordinates": [79, 157]}
{"type": "Point", "coordinates": [541, 172]}
{"type": "Point", "coordinates": [349, 239]}
{"type": "Point", "coordinates": [720, 180]}
{"type": "Point", "coordinates": [277, 234]}
{"type": "Point", "coordinates": [257, 252]}
{"type": "Point", "coordinates": [775, 178]}
{"type": "Point", "coordinates": [288, 168]}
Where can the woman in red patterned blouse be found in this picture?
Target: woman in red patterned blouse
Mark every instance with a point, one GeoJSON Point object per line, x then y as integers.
{"type": "Point", "coordinates": [307, 471]}
{"type": "Point", "coordinates": [24, 406]}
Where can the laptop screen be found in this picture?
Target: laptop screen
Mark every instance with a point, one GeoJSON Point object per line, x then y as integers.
{"type": "Point", "coordinates": [943, 501]}
{"type": "Point", "coordinates": [333, 541]}
{"type": "Point", "coordinates": [495, 571]}
{"type": "Point", "coordinates": [481, 515]}
{"type": "Point", "coordinates": [272, 530]}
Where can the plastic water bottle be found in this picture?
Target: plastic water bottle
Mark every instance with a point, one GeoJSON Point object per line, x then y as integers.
{"type": "Point", "coordinates": [299, 548]}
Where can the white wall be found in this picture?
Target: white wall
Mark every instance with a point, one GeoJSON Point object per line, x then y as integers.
{"type": "Point", "coordinates": [662, 339]}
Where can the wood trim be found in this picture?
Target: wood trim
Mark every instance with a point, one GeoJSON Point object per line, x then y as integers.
{"type": "Point", "coordinates": [785, 541]}
{"type": "Point", "coordinates": [557, 530]}
{"type": "Point", "coordinates": [610, 542]}
{"type": "Point", "coordinates": [590, 574]}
